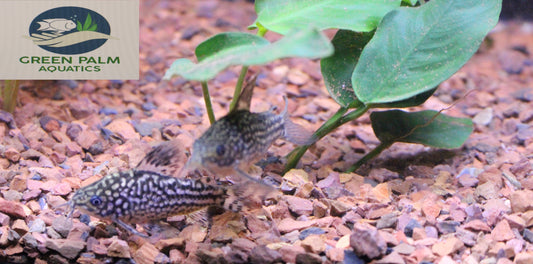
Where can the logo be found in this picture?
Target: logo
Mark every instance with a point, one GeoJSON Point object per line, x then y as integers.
{"type": "Point", "coordinates": [69, 30]}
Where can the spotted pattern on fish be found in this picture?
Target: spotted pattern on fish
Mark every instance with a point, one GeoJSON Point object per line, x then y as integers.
{"type": "Point", "coordinates": [141, 196]}
{"type": "Point", "coordinates": [241, 136]}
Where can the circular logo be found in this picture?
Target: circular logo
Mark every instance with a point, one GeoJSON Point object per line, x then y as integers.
{"type": "Point", "coordinates": [69, 30]}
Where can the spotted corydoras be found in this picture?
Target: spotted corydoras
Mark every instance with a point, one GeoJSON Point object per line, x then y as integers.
{"type": "Point", "coordinates": [241, 138]}
{"type": "Point", "coordinates": [143, 196]}
{"type": "Point", "coordinates": [147, 193]}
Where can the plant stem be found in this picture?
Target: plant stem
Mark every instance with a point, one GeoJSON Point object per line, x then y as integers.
{"type": "Point", "coordinates": [10, 95]}
{"type": "Point", "coordinates": [331, 124]}
{"type": "Point", "coordinates": [208, 105]}
{"type": "Point", "coordinates": [238, 88]}
{"type": "Point", "coordinates": [370, 155]}
{"type": "Point", "coordinates": [261, 31]}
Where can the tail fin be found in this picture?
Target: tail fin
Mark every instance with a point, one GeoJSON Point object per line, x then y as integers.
{"type": "Point", "coordinates": [43, 25]}
{"type": "Point", "coordinates": [295, 133]}
{"type": "Point", "coordinates": [249, 194]}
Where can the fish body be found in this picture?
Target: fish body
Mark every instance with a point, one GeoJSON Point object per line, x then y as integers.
{"type": "Point", "coordinates": [241, 138]}
{"type": "Point", "coordinates": [56, 24]}
{"type": "Point", "coordinates": [137, 196]}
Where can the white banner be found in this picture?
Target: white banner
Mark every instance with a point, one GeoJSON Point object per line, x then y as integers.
{"type": "Point", "coordinates": [75, 40]}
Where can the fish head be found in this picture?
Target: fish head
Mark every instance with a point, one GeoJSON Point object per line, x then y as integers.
{"type": "Point", "coordinates": [69, 25]}
{"type": "Point", "coordinates": [92, 199]}
{"type": "Point", "coordinates": [211, 153]}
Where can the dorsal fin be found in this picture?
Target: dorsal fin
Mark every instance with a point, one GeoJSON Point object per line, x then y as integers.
{"type": "Point", "coordinates": [245, 98]}
{"type": "Point", "coordinates": [166, 158]}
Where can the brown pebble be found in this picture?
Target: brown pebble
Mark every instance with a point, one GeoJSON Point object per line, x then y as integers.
{"type": "Point", "coordinates": [87, 138]}
{"type": "Point", "coordinates": [49, 124]}
{"type": "Point", "coordinates": [119, 249]}
{"type": "Point", "coordinates": [61, 189]}
{"type": "Point", "coordinates": [18, 183]}
{"type": "Point", "coordinates": [308, 258]}
{"type": "Point", "coordinates": [67, 248]}
{"type": "Point", "coordinates": [263, 254]}
{"type": "Point", "coordinates": [73, 131]}
{"type": "Point", "coordinates": [78, 231]}
{"type": "Point", "coordinates": [339, 208]}
{"type": "Point", "coordinates": [12, 154]}
{"type": "Point", "coordinates": [319, 209]}
{"type": "Point", "coordinates": [314, 244]}
{"type": "Point", "coordinates": [194, 233]}
{"type": "Point", "coordinates": [72, 148]}
{"type": "Point", "coordinates": [165, 244]}
{"type": "Point", "coordinates": [20, 227]}
{"type": "Point", "coordinates": [502, 231]}
{"type": "Point", "coordinates": [335, 254]}
{"type": "Point", "coordinates": [523, 258]}
{"type": "Point", "coordinates": [299, 206]}
{"type": "Point", "coordinates": [487, 190]}
{"type": "Point", "coordinates": [477, 225]}
{"type": "Point", "coordinates": [521, 201]}
{"type": "Point", "coordinates": [297, 77]}
{"type": "Point", "coordinates": [12, 208]}
{"type": "Point", "coordinates": [447, 246]}
{"type": "Point", "coordinates": [392, 258]}
{"type": "Point", "coordinates": [4, 219]}
{"type": "Point", "coordinates": [146, 254]}
{"type": "Point", "coordinates": [366, 241]}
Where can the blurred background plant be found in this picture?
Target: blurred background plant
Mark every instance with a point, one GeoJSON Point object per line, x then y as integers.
{"type": "Point", "coordinates": [9, 95]}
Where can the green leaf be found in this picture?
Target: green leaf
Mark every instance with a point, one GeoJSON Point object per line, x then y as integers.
{"type": "Point", "coordinates": [357, 15]}
{"type": "Point", "coordinates": [88, 22]}
{"type": "Point", "coordinates": [92, 28]}
{"type": "Point", "coordinates": [409, 102]}
{"type": "Point", "coordinates": [337, 69]}
{"type": "Point", "coordinates": [410, 2]}
{"type": "Point", "coordinates": [234, 48]}
{"type": "Point", "coordinates": [79, 26]}
{"type": "Point", "coordinates": [226, 42]}
{"type": "Point", "coordinates": [415, 49]}
{"type": "Point", "coordinates": [422, 127]}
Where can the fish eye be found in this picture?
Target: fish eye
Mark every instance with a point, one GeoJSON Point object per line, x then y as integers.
{"type": "Point", "coordinates": [221, 150]}
{"type": "Point", "coordinates": [95, 200]}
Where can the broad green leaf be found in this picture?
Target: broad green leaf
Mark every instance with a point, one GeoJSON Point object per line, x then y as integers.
{"type": "Point", "coordinates": [226, 49]}
{"type": "Point", "coordinates": [357, 15]}
{"type": "Point", "coordinates": [88, 22]}
{"type": "Point", "coordinates": [409, 102]}
{"type": "Point", "coordinates": [415, 49]}
{"type": "Point", "coordinates": [92, 28]}
{"type": "Point", "coordinates": [410, 2]}
{"type": "Point", "coordinates": [337, 69]}
{"type": "Point", "coordinates": [228, 41]}
{"type": "Point", "coordinates": [422, 127]}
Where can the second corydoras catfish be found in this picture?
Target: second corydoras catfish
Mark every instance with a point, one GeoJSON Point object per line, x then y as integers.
{"type": "Point", "coordinates": [239, 139]}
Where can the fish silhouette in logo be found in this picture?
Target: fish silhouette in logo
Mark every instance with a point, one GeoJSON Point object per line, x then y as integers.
{"type": "Point", "coordinates": [56, 24]}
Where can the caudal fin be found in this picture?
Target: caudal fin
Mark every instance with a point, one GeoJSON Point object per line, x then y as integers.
{"type": "Point", "coordinates": [247, 194]}
{"type": "Point", "coordinates": [43, 25]}
{"type": "Point", "coordinates": [297, 134]}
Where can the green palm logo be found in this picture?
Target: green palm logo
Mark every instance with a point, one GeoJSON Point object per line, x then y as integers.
{"type": "Point", "coordinates": [87, 25]}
